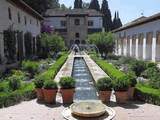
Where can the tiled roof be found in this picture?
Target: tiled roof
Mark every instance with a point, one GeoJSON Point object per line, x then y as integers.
{"type": "Point", "coordinates": [139, 21]}
{"type": "Point", "coordinates": [58, 12]}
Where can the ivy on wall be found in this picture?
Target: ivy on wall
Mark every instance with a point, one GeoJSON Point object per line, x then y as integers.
{"type": "Point", "coordinates": [10, 45]}
{"type": "Point", "coordinates": [28, 44]}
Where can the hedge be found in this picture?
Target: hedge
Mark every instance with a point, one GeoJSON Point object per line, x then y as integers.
{"type": "Point", "coordinates": [110, 69]}
{"type": "Point", "coordinates": [11, 98]}
{"type": "Point", "coordinates": [53, 70]}
{"type": "Point", "coordinates": [147, 94]}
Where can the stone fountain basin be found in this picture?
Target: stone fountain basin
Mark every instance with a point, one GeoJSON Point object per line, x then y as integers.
{"type": "Point", "coordinates": [88, 110]}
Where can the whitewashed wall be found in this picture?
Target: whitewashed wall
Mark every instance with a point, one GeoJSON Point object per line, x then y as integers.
{"type": "Point", "coordinates": [97, 22]}
{"type": "Point", "coordinates": [144, 28]}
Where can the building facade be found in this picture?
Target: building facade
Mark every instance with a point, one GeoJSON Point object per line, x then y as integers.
{"type": "Point", "coordinates": [140, 39]}
{"type": "Point", "coordinates": [18, 17]}
{"type": "Point", "coordinates": [74, 25]}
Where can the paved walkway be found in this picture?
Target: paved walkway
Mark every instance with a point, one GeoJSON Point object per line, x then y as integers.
{"type": "Point", "coordinates": [31, 110]}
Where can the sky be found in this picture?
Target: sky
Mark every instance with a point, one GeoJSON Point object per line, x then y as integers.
{"type": "Point", "coordinates": [128, 9]}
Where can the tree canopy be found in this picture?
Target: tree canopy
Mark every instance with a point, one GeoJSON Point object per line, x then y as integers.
{"type": "Point", "coordinates": [107, 18]}
{"type": "Point", "coordinates": [94, 5]}
{"type": "Point", "coordinates": [104, 41]}
{"type": "Point", "coordinates": [78, 4]}
{"type": "Point", "coordinates": [42, 5]}
{"type": "Point", "coordinates": [116, 21]}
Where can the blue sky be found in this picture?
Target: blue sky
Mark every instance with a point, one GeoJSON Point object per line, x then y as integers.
{"type": "Point", "coordinates": [128, 9]}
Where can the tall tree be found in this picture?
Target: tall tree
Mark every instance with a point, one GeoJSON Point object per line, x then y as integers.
{"type": "Point", "coordinates": [85, 5]}
{"type": "Point", "coordinates": [42, 5]}
{"type": "Point", "coordinates": [107, 18]}
{"type": "Point", "coordinates": [116, 21]}
{"type": "Point", "coordinates": [78, 4]}
{"type": "Point", "coordinates": [94, 5]}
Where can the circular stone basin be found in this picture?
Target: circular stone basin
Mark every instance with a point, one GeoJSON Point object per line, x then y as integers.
{"type": "Point", "coordinates": [88, 109]}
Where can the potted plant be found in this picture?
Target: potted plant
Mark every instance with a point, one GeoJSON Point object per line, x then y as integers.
{"type": "Point", "coordinates": [132, 82]}
{"type": "Point", "coordinates": [67, 85]}
{"type": "Point", "coordinates": [38, 87]}
{"type": "Point", "coordinates": [50, 91]}
{"type": "Point", "coordinates": [121, 86]}
{"type": "Point", "coordinates": [104, 85]}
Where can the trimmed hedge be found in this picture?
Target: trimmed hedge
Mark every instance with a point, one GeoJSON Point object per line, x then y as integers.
{"type": "Point", "coordinates": [11, 98]}
{"type": "Point", "coordinates": [110, 69]}
{"type": "Point", "coordinates": [53, 70]}
{"type": "Point", "coordinates": [147, 94]}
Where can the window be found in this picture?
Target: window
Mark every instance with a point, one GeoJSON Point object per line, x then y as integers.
{"type": "Point", "coordinates": [9, 13]}
{"type": "Point", "coordinates": [77, 35]}
{"type": "Point", "coordinates": [77, 22]}
{"type": "Point", "coordinates": [25, 20]}
{"type": "Point", "coordinates": [63, 23]}
{"type": "Point", "coordinates": [90, 23]}
{"type": "Point", "coordinates": [19, 18]}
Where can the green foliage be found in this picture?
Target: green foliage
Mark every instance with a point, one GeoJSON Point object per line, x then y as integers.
{"type": "Point", "coordinates": [50, 43]}
{"type": "Point", "coordinates": [147, 94]}
{"type": "Point", "coordinates": [94, 4]}
{"type": "Point", "coordinates": [132, 79]}
{"type": "Point", "coordinates": [104, 41]}
{"type": "Point", "coordinates": [14, 82]}
{"type": "Point", "coordinates": [138, 67]}
{"type": "Point", "coordinates": [19, 73]}
{"type": "Point", "coordinates": [39, 82]}
{"type": "Point", "coordinates": [53, 70]}
{"type": "Point", "coordinates": [50, 85]}
{"type": "Point", "coordinates": [121, 84]}
{"type": "Point", "coordinates": [31, 67]}
{"type": "Point", "coordinates": [67, 82]}
{"type": "Point", "coordinates": [109, 68]}
{"type": "Point", "coordinates": [112, 56]}
{"type": "Point", "coordinates": [26, 92]}
{"type": "Point", "coordinates": [104, 84]}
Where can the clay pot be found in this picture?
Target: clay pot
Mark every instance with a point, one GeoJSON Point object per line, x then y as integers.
{"type": "Point", "coordinates": [131, 93]}
{"type": "Point", "coordinates": [121, 96]}
{"type": "Point", "coordinates": [105, 96]}
{"type": "Point", "coordinates": [39, 92]}
{"type": "Point", "coordinates": [50, 95]}
{"type": "Point", "coordinates": [67, 95]}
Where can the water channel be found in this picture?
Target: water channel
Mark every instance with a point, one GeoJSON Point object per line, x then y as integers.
{"type": "Point", "coordinates": [85, 89]}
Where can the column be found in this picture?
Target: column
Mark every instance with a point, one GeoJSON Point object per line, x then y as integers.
{"type": "Point", "coordinates": [2, 48]}
{"type": "Point", "coordinates": [137, 46]}
{"type": "Point", "coordinates": [125, 46]}
{"type": "Point", "coordinates": [130, 46]}
{"type": "Point", "coordinates": [144, 47]}
{"type": "Point", "coordinates": [154, 47]}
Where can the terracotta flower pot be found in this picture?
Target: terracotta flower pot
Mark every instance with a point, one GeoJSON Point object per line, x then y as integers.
{"type": "Point", "coordinates": [67, 95]}
{"type": "Point", "coordinates": [131, 92]}
{"type": "Point", "coordinates": [39, 92]}
{"type": "Point", "coordinates": [50, 95]}
{"type": "Point", "coordinates": [105, 96]}
{"type": "Point", "coordinates": [121, 96]}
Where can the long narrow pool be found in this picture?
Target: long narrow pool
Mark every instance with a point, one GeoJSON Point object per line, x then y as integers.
{"type": "Point", "coordinates": [85, 89]}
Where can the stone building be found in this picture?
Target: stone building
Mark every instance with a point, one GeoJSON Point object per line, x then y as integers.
{"type": "Point", "coordinates": [74, 25]}
{"type": "Point", "coordinates": [18, 17]}
{"type": "Point", "coordinates": [140, 38]}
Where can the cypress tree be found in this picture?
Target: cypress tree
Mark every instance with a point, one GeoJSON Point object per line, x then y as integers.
{"type": "Point", "coordinates": [94, 4]}
{"type": "Point", "coordinates": [107, 18]}
{"type": "Point", "coordinates": [117, 21]}
{"type": "Point", "coordinates": [78, 4]}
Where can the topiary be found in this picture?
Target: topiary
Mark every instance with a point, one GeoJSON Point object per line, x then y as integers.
{"type": "Point", "coordinates": [121, 84]}
{"type": "Point", "coordinates": [14, 82]}
{"type": "Point", "coordinates": [132, 79]}
{"type": "Point", "coordinates": [50, 85]}
{"type": "Point", "coordinates": [67, 82]}
{"type": "Point", "coordinates": [104, 84]}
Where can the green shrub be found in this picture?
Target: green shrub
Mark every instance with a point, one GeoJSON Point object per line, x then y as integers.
{"type": "Point", "coordinates": [138, 67]}
{"type": "Point", "coordinates": [50, 85]}
{"type": "Point", "coordinates": [147, 94]}
{"type": "Point", "coordinates": [31, 67]}
{"type": "Point", "coordinates": [121, 84]}
{"type": "Point", "coordinates": [39, 82]}
{"type": "Point", "coordinates": [132, 79]}
{"type": "Point", "coordinates": [104, 84]}
{"type": "Point", "coordinates": [151, 65]}
{"type": "Point", "coordinates": [19, 73]}
{"type": "Point", "coordinates": [67, 82]}
{"type": "Point", "coordinates": [150, 72]}
{"type": "Point", "coordinates": [112, 56]}
{"type": "Point", "coordinates": [14, 82]}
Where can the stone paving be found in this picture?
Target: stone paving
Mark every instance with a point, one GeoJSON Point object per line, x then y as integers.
{"type": "Point", "coordinates": [32, 110]}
